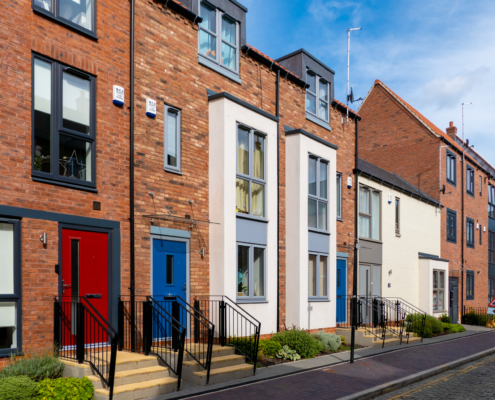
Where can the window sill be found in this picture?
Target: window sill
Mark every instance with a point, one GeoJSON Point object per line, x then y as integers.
{"type": "Point", "coordinates": [311, 300]}
{"type": "Point", "coordinates": [319, 231]}
{"type": "Point", "coordinates": [217, 68]}
{"type": "Point", "coordinates": [318, 121]}
{"type": "Point", "coordinates": [340, 219]}
{"type": "Point", "coordinates": [452, 183]}
{"type": "Point", "coordinates": [64, 22]}
{"type": "Point", "coordinates": [251, 217]}
{"type": "Point", "coordinates": [11, 352]}
{"type": "Point", "coordinates": [470, 194]}
{"type": "Point", "coordinates": [173, 171]}
{"type": "Point", "coordinates": [63, 184]}
{"type": "Point", "coordinates": [251, 301]}
{"type": "Point", "coordinates": [371, 240]}
{"type": "Point", "coordinates": [471, 246]}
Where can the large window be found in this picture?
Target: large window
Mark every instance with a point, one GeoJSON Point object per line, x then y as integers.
{"type": "Point", "coordinates": [369, 213]}
{"type": "Point", "coordinates": [172, 141]}
{"type": "Point", "coordinates": [438, 290]}
{"type": "Point", "coordinates": [317, 96]}
{"type": "Point", "coordinates": [339, 196]}
{"type": "Point", "coordinates": [491, 288]}
{"type": "Point", "coordinates": [79, 14]}
{"type": "Point", "coordinates": [451, 168]}
{"type": "Point", "coordinates": [470, 232]}
{"type": "Point", "coordinates": [318, 193]}
{"type": "Point", "coordinates": [470, 180]}
{"type": "Point", "coordinates": [451, 226]}
{"type": "Point", "coordinates": [250, 272]}
{"type": "Point", "coordinates": [397, 215]}
{"type": "Point", "coordinates": [63, 124]}
{"type": "Point", "coordinates": [219, 39]}
{"type": "Point", "coordinates": [469, 285]}
{"type": "Point", "coordinates": [318, 277]}
{"type": "Point", "coordinates": [251, 180]}
{"type": "Point", "coordinates": [491, 201]}
{"type": "Point", "coordinates": [10, 287]}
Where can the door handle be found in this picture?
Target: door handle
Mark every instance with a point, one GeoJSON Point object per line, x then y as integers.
{"type": "Point", "coordinates": [65, 286]}
{"type": "Point", "coordinates": [185, 288]}
{"type": "Point", "coordinates": [93, 296]}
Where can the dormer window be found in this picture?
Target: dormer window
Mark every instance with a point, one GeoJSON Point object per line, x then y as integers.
{"type": "Point", "coordinates": [317, 96]}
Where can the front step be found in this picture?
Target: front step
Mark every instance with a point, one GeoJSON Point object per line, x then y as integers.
{"type": "Point", "coordinates": [139, 390]}
{"type": "Point", "coordinates": [132, 376]}
{"type": "Point", "coordinates": [224, 374]}
{"type": "Point", "coordinates": [364, 339]}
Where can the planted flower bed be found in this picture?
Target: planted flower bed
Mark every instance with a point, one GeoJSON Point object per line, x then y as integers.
{"type": "Point", "coordinates": [432, 326]}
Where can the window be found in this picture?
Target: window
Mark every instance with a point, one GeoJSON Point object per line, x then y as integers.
{"type": "Point", "coordinates": [470, 232]}
{"type": "Point", "coordinates": [63, 124]}
{"type": "Point", "coordinates": [317, 96]}
{"type": "Point", "coordinates": [318, 193]}
{"type": "Point", "coordinates": [481, 234]}
{"type": "Point", "coordinates": [218, 39]}
{"type": "Point", "coordinates": [172, 141]}
{"type": "Point", "coordinates": [318, 276]}
{"type": "Point", "coordinates": [78, 14]}
{"type": "Point", "coordinates": [10, 287]}
{"type": "Point", "coordinates": [250, 184]}
{"type": "Point", "coordinates": [451, 168]}
{"type": "Point", "coordinates": [481, 185]}
{"type": "Point", "coordinates": [469, 285]}
{"type": "Point", "coordinates": [397, 215]}
{"type": "Point", "coordinates": [250, 272]}
{"type": "Point", "coordinates": [339, 196]}
{"type": "Point", "coordinates": [438, 290]}
{"type": "Point", "coordinates": [491, 288]}
{"type": "Point", "coordinates": [470, 180]}
{"type": "Point", "coordinates": [491, 201]}
{"type": "Point", "coordinates": [491, 247]}
{"type": "Point", "coordinates": [451, 226]}
{"type": "Point", "coordinates": [369, 213]}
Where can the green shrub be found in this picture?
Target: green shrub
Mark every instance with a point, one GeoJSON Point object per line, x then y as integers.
{"type": "Point", "coordinates": [446, 327]}
{"type": "Point", "coordinates": [417, 327]}
{"type": "Point", "coordinates": [18, 388]}
{"type": "Point", "coordinates": [456, 328]}
{"type": "Point", "coordinates": [288, 354]}
{"type": "Point", "coordinates": [436, 325]}
{"type": "Point", "coordinates": [66, 388]}
{"type": "Point", "coordinates": [343, 342]}
{"type": "Point", "coordinates": [330, 341]}
{"type": "Point", "coordinates": [473, 318]}
{"type": "Point", "coordinates": [445, 318]}
{"type": "Point", "coordinates": [244, 345]}
{"type": "Point", "coordinates": [270, 348]}
{"type": "Point", "coordinates": [300, 341]}
{"type": "Point", "coordinates": [37, 366]}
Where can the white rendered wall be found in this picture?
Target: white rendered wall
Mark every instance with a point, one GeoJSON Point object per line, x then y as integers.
{"type": "Point", "coordinates": [425, 292]}
{"type": "Point", "coordinates": [224, 115]}
{"type": "Point", "coordinates": [322, 315]}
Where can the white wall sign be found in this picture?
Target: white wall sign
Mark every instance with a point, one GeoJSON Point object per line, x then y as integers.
{"type": "Point", "coordinates": [151, 108]}
{"type": "Point", "coordinates": [118, 95]}
{"type": "Point", "coordinates": [389, 199]}
{"type": "Point", "coordinates": [349, 182]}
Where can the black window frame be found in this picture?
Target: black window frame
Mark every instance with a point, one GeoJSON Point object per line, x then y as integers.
{"type": "Point", "coordinates": [451, 164]}
{"type": "Point", "coordinates": [470, 180]}
{"type": "Point", "coordinates": [491, 200]}
{"type": "Point", "coordinates": [470, 232]}
{"type": "Point", "coordinates": [251, 298]}
{"type": "Point", "coordinates": [339, 196]}
{"type": "Point", "coordinates": [57, 128]}
{"type": "Point", "coordinates": [397, 216]}
{"type": "Point", "coordinates": [54, 15]}
{"type": "Point", "coordinates": [166, 166]}
{"type": "Point", "coordinates": [451, 215]}
{"type": "Point", "coordinates": [491, 247]}
{"type": "Point", "coordinates": [469, 285]}
{"type": "Point", "coordinates": [317, 197]}
{"type": "Point", "coordinates": [15, 297]}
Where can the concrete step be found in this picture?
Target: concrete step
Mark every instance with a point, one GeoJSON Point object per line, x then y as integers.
{"type": "Point", "coordinates": [217, 351]}
{"type": "Point", "coordinates": [190, 367]}
{"type": "Point", "coordinates": [224, 374]}
{"type": "Point", "coordinates": [133, 376]}
{"type": "Point", "coordinates": [139, 390]}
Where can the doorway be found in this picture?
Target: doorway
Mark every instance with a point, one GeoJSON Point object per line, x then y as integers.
{"type": "Point", "coordinates": [454, 299]}
{"type": "Point", "coordinates": [341, 290]}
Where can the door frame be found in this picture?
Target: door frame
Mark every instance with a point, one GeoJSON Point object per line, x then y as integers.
{"type": "Point", "coordinates": [454, 279]}
{"type": "Point", "coordinates": [187, 241]}
{"type": "Point", "coordinates": [113, 288]}
{"type": "Point", "coordinates": [371, 266]}
{"type": "Point", "coordinates": [346, 283]}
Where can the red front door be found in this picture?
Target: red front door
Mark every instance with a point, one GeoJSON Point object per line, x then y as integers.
{"type": "Point", "coordinates": [85, 270]}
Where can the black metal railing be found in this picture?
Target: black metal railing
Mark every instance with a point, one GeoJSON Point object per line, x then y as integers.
{"type": "Point", "coordinates": [235, 326]}
{"type": "Point", "coordinates": [200, 330]}
{"type": "Point", "coordinates": [476, 316]}
{"type": "Point", "coordinates": [147, 327]}
{"type": "Point", "coordinates": [405, 315]}
{"type": "Point", "coordinates": [82, 334]}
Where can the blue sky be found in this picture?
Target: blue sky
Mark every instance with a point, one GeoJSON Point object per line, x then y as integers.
{"type": "Point", "coordinates": [434, 54]}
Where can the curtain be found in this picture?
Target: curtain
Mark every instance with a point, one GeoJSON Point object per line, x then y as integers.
{"type": "Point", "coordinates": [242, 271]}
{"type": "Point", "coordinates": [364, 227]}
{"type": "Point", "coordinates": [243, 152]}
{"type": "Point", "coordinates": [172, 138]}
{"type": "Point", "coordinates": [322, 215]}
{"type": "Point", "coordinates": [364, 201]}
{"type": "Point", "coordinates": [228, 31]}
{"type": "Point", "coordinates": [338, 191]}
{"type": "Point", "coordinates": [312, 275]}
{"type": "Point", "coordinates": [7, 258]}
{"type": "Point", "coordinates": [242, 196]}
{"type": "Point", "coordinates": [259, 155]}
{"type": "Point", "coordinates": [259, 272]}
{"type": "Point", "coordinates": [323, 180]}
{"type": "Point", "coordinates": [312, 176]}
{"type": "Point", "coordinates": [258, 199]}
{"type": "Point", "coordinates": [323, 276]}
{"type": "Point", "coordinates": [42, 86]}
{"type": "Point", "coordinates": [375, 229]}
{"type": "Point", "coordinates": [76, 100]}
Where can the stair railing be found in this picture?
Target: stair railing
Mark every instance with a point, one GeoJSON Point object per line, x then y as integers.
{"type": "Point", "coordinates": [82, 334]}
{"type": "Point", "coordinates": [372, 316]}
{"type": "Point", "coordinates": [408, 314]}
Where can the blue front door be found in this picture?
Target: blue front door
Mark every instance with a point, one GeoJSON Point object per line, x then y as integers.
{"type": "Point", "coordinates": [341, 291]}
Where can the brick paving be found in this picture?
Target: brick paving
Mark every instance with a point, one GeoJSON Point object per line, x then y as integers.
{"type": "Point", "coordinates": [345, 379]}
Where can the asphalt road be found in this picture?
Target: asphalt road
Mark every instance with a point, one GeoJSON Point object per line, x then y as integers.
{"type": "Point", "coordinates": [475, 380]}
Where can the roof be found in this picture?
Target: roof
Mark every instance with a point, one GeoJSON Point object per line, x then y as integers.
{"type": "Point", "coordinates": [342, 105]}
{"type": "Point", "coordinates": [309, 55]}
{"type": "Point", "coordinates": [393, 180]}
{"type": "Point", "coordinates": [478, 157]}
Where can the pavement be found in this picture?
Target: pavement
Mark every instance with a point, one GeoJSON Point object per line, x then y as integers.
{"type": "Point", "coordinates": [375, 371]}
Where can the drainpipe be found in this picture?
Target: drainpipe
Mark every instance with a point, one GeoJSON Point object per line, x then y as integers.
{"type": "Point", "coordinates": [277, 113]}
{"type": "Point", "coordinates": [356, 242]}
{"type": "Point", "coordinates": [463, 222]}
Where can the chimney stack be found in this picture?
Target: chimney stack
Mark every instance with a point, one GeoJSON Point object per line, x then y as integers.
{"type": "Point", "coordinates": [451, 130]}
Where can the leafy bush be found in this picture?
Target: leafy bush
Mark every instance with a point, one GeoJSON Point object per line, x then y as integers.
{"type": "Point", "coordinates": [270, 348]}
{"type": "Point", "coordinates": [66, 388]}
{"type": "Point", "coordinates": [244, 345]}
{"type": "Point", "coordinates": [456, 328]}
{"type": "Point", "coordinates": [18, 388]}
{"type": "Point", "coordinates": [37, 366]}
{"type": "Point", "coordinates": [330, 341]}
{"type": "Point", "coordinates": [446, 327]}
{"type": "Point", "coordinates": [445, 318]}
{"type": "Point", "coordinates": [436, 325]}
{"type": "Point", "coordinates": [300, 341]}
{"type": "Point", "coordinates": [474, 318]}
{"type": "Point", "coordinates": [433, 326]}
{"type": "Point", "coordinates": [343, 342]}
{"type": "Point", "coordinates": [417, 327]}
{"type": "Point", "coordinates": [288, 354]}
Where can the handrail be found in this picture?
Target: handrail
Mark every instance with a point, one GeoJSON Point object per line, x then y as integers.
{"type": "Point", "coordinates": [376, 322]}
{"type": "Point", "coordinates": [98, 313]}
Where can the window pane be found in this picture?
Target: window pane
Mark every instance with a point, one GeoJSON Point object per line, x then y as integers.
{"type": "Point", "coordinates": [207, 44]}
{"type": "Point", "coordinates": [364, 227]}
{"type": "Point", "coordinates": [42, 115]}
{"type": "Point", "coordinates": [242, 196]}
{"type": "Point", "coordinates": [228, 31]}
{"type": "Point", "coordinates": [441, 280]}
{"type": "Point", "coordinates": [259, 272]}
{"type": "Point", "coordinates": [242, 271]}
{"type": "Point", "coordinates": [364, 201]}
{"type": "Point", "coordinates": [323, 110]}
{"type": "Point", "coordinates": [375, 232]}
{"type": "Point", "coordinates": [311, 81]}
{"type": "Point", "coordinates": [312, 275]}
{"type": "Point", "coordinates": [76, 101]}
{"type": "Point", "coordinates": [45, 4]}
{"type": "Point", "coordinates": [259, 157]}
{"type": "Point", "coordinates": [311, 213]}
{"type": "Point", "coordinates": [243, 151]}
{"type": "Point", "coordinates": [8, 337]}
{"type": "Point", "coordinates": [310, 103]}
{"type": "Point", "coordinates": [435, 280]}
{"type": "Point", "coordinates": [323, 92]}
{"type": "Point", "coordinates": [170, 269]}
{"type": "Point", "coordinates": [435, 300]}
{"type": "Point", "coordinates": [7, 258]}
{"type": "Point", "coordinates": [229, 56]}
{"type": "Point", "coordinates": [323, 180]}
{"type": "Point", "coordinates": [77, 11]}
{"type": "Point", "coordinates": [323, 276]}
{"type": "Point", "coordinates": [312, 176]}
{"type": "Point", "coordinates": [339, 196]}
{"type": "Point", "coordinates": [75, 158]}
{"type": "Point", "coordinates": [172, 119]}
{"type": "Point", "coordinates": [322, 215]}
{"type": "Point", "coordinates": [258, 199]}
{"type": "Point", "coordinates": [209, 18]}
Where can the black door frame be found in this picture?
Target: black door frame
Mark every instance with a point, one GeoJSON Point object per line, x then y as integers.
{"type": "Point", "coordinates": [452, 288]}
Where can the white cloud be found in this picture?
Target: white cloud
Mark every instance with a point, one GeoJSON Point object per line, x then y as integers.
{"type": "Point", "coordinates": [330, 10]}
